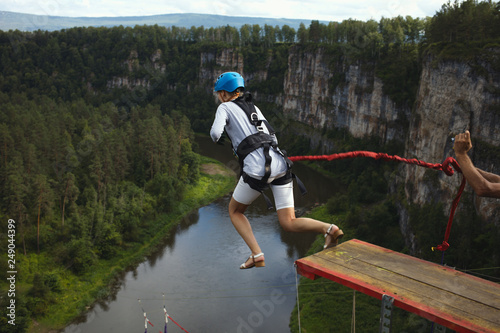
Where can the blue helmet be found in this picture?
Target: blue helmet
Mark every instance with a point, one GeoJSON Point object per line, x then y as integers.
{"type": "Point", "coordinates": [229, 81]}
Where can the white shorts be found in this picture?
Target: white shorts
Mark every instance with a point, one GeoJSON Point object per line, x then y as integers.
{"type": "Point", "coordinates": [283, 194]}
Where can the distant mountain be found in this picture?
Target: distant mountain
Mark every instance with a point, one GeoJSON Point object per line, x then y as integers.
{"type": "Point", "coordinates": [29, 22]}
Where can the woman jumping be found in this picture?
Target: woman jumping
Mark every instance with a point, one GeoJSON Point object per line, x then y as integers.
{"type": "Point", "coordinates": [262, 164]}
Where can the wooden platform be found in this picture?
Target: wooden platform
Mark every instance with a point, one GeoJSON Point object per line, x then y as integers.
{"type": "Point", "coordinates": [443, 295]}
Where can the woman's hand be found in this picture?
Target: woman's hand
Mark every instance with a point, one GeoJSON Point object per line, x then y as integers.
{"type": "Point", "coordinates": [462, 143]}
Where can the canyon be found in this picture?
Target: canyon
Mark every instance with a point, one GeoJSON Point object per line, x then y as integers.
{"type": "Point", "coordinates": [322, 92]}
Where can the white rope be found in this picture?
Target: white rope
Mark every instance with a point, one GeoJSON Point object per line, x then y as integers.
{"type": "Point", "coordinates": [297, 288]}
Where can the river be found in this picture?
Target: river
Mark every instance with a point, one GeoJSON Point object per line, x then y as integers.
{"type": "Point", "coordinates": [197, 271]}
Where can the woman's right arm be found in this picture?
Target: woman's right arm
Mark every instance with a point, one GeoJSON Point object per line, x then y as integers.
{"type": "Point", "coordinates": [219, 123]}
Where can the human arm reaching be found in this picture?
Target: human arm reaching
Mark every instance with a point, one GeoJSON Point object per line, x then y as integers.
{"type": "Point", "coordinates": [485, 184]}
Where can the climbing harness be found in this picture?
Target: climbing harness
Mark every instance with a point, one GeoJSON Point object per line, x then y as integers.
{"type": "Point", "coordinates": [260, 139]}
{"type": "Point", "coordinates": [447, 167]}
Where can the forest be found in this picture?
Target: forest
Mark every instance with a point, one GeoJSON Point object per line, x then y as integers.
{"type": "Point", "coordinates": [88, 166]}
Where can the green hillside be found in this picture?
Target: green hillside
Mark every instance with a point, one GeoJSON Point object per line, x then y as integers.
{"type": "Point", "coordinates": [30, 22]}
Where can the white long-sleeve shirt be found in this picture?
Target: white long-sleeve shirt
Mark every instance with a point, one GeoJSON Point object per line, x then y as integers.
{"type": "Point", "coordinates": [234, 120]}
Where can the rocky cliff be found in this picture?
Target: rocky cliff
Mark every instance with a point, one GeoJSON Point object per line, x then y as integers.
{"type": "Point", "coordinates": [453, 96]}
{"type": "Point", "coordinates": [355, 102]}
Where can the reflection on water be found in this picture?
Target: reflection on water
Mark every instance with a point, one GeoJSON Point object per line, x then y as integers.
{"type": "Point", "coordinates": [197, 270]}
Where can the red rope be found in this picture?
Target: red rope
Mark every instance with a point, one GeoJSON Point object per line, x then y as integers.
{"type": "Point", "coordinates": [177, 324]}
{"type": "Point", "coordinates": [444, 246]}
{"type": "Point", "coordinates": [446, 167]}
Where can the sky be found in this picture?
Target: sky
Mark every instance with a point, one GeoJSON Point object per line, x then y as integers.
{"type": "Point", "coordinates": [322, 10]}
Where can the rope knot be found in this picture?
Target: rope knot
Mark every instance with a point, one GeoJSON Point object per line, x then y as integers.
{"type": "Point", "coordinates": [447, 166]}
{"type": "Point", "coordinates": [442, 247]}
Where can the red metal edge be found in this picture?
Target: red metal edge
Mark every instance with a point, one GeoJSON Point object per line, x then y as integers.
{"type": "Point", "coordinates": [305, 272]}
{"type": "Point", "coordinates": [313, 271]}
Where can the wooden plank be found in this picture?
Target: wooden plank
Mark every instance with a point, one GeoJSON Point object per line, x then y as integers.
{"type": "Point", "coordinates": [423, 271]}
{"type": "Point", "coordinates": [453, 299]}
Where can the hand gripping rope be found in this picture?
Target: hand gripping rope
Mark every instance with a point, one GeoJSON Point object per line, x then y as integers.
{"type": "Point", "coordinates": [447, 167]}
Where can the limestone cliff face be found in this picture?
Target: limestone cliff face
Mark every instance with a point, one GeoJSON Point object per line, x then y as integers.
{"type": "Point", "coordinates": [228, 60]}
{"type": "Point", "coordinates": [356, 102]}
{"type": "Point", "coordinates": [213, 64]}
{"type": "Point", "coordinates": [453, 97]}
{"type": "Point", "coordinates": [154, 66]}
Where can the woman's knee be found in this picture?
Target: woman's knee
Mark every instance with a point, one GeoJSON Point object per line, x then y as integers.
{"type": "Point", "coordinates": [287, 226]}
{"type": "Point", "coordinates": [235, 207]}
{"type": "Point", "coordinates": [286, 217]}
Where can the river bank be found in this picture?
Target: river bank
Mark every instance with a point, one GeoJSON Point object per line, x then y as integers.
{"type": "Point", "coordinates": [80, 293]}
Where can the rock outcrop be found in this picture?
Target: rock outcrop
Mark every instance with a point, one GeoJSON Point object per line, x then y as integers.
{"type": "Point", "coordinates": [356, 102]}
{"type": "Point", "coordinates": [452, 97]}
{"type": "Point", "coordinates": [154, 66]}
